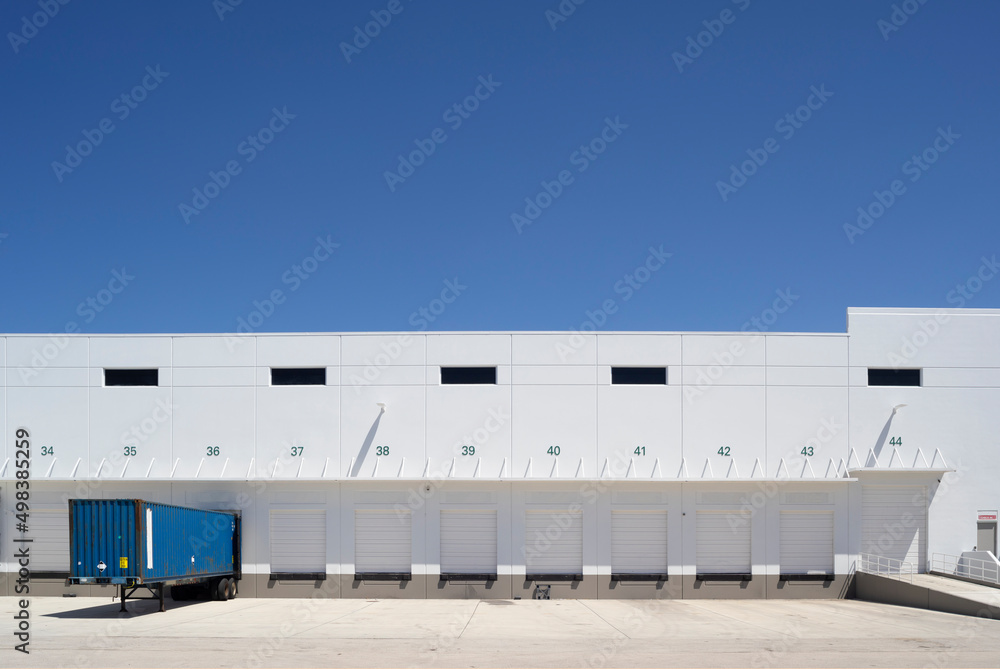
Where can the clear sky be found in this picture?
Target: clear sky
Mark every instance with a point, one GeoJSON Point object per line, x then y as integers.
{"type": "Point", "coordinates": [169, 167]}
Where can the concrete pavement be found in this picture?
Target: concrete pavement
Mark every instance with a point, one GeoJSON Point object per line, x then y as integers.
{"type": "Point", "coordinates": [498, 633]}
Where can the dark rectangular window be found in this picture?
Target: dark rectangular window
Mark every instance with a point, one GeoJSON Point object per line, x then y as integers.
{"type": "Point", "coordinates": [298, 376]}
{"type": "Point", "coordinates": [131, 377]}
{"type": "Point", "coordinates": [894, 377]}
{"type": "Point", "coordinates": [469, 375]}
{"type": "Point", "coordinates": [646, 376]}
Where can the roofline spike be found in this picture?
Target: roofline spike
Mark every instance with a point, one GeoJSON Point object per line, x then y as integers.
{"type": "Point", "coordinates": [872, 457]}
{"type": "Point", "coordinates": [733, 468]}
{"type": "Point", "coordinates": [836, 470]}
{"type": "Point", "coordinates": [894, 457]}
{"type": "Point", "coordinates": [782, 465]}
{"type": "Point", "coordinates": [854, 454]}
{"type": "Point", "coordinates": [810, 467]}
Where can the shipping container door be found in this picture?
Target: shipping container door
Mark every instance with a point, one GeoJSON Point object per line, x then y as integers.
{"type": "Point", "coordinates": [639, 542]}
{"type": "Point", "coordinates": [49, 532]}
{"type": "Point", "coordinates": [382, 541]}
{"type": "Point", "coordinates": [807, 542]}
{"type": "Point", "coordinates": [554, 541]}
{"type": "Point", "coordinates": [298, 541]}
{"type": "Point", "coordinates": [894, 523]}
{"type": "Point", "coordinates": [468, 542]}
{"type": "Point", "coordinates": [723, 543]}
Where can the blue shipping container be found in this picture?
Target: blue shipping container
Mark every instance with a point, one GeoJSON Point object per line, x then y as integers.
{"type": "Point", "coordinates": [133, 542]}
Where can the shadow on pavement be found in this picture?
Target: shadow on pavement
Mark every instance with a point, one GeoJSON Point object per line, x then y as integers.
{"type": "Point", "coordinates": [135, 607]}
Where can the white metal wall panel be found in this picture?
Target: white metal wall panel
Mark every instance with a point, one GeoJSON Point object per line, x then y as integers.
{"type": "Point", "coordinates": [807, 542]}
{"type": "Point", "coordinates": [298, 540]}
{"type": "Point", "coordinates": [382, 540]}
{"type": "Point", "coordinates": [468, 542]}
{"type": "Point", "coordinates": [49, 532]}
{"type": "Point", "coordinates": [639, 542]}
{"type": "Point", "coordinates": [723, 543]}
{"type": "Point", "coordinates": [894, 523]}
{"type": "Point", "coordinates": [554, 541]}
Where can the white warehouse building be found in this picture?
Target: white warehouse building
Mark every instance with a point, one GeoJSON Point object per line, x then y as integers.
{"type": "Point", "coordinates": [522, 464]}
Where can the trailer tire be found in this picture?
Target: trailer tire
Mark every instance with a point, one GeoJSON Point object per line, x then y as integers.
{"type": "Point", "coordinates": [231, 591]}
{"type": "Point", "coordinates": [179, 593]}
{"type": "Point", "coordinates": [222, 590]}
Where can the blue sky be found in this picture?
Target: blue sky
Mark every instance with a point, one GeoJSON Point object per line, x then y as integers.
{"type": "Point", "coordinates": [597, 158]}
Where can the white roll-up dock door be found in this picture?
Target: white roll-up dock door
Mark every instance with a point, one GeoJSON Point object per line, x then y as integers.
{"type": "Point", "coordinates": [383, 540]}
{"type": "Point", "coordinates": [723, 543]}
{"type": "Point", "coordinates": [553, 543]}
{"type": "Point", "coordinates": [638, 543]}
{"type": "Point", "coordinates": [807, 543]}
{"type": "Point", "coordinates": [298, 543]}
{"type": "Point", "coordinates": [894, 524]}
{"type": "Point", "coordinates": [469, 542]}
{"type": "Point", "coordinates": [50, 540]}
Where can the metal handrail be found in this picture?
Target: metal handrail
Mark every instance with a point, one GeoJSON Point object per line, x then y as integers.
{"type": "Point", "coordinates": [885, 566]}
{"type": "Point", "coordinates": [966, 567]}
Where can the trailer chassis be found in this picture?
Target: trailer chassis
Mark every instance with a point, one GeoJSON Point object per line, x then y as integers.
{"type": "Point", "coordinates": [156, 589]}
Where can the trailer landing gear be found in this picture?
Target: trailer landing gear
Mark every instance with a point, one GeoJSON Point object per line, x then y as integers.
{"type": "Point", "coordinates": [156, 590]}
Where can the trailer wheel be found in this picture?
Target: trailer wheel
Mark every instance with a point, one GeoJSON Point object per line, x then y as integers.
{"type": "Point", "coordinates": [222, 590]}
{"type": "Point", "coordinates": [179, 593]}
{"type": "Point", "coordinates": [232, 589]}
